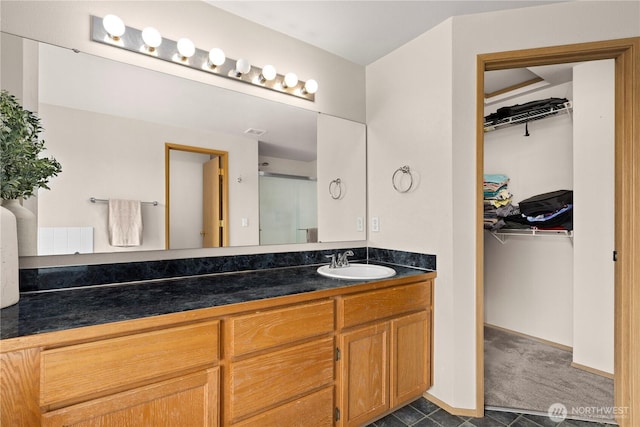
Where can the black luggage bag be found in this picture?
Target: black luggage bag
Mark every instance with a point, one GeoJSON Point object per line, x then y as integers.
{"type": "Point", "coordinates": [546, 202]}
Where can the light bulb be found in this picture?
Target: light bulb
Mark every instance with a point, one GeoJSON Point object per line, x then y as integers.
{"type": "Point", "coordinates": [113, 26]}
{"type": "Point", "coordinates": [290, 80]}
{"type": "Point", "coordinates": [242, 67]}
{"type": "Point", "coordinates": [268, 73]}
{"type": "Point", "coordinates": [310, 87]}
{"type": "Point", "coordinates": [186, 49]}
{"type": "Point", "coordinates": [216, 57]}
{"type": "Point", "coordinates": [151, 38]}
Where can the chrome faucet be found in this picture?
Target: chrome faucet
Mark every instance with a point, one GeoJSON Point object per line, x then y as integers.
{"type": "Point", "coordinates": [333, 260]}
{"type": "Point", "coordinates": [343, 261]}
{"type": "Point", "coordinates": [339, 260]}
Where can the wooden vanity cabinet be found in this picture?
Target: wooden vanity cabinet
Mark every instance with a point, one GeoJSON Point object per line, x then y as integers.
{"type": "Point", "coordinates": [385, 345]}
{"type": "Point", "coordinates": [165, 377]}
{"type": "Point", "coordinates": [341, 357]}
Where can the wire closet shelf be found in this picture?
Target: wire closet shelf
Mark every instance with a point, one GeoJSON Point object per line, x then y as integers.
{"type": "Point", "coordinates": [528, 116]}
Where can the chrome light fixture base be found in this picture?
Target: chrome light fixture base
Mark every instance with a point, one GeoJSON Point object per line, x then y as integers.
{"type": "Point", "coordinates": [132, 41]}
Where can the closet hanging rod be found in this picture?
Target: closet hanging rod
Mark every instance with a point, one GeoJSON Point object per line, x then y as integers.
{"type": "Point", "coordinates": [94, 200]}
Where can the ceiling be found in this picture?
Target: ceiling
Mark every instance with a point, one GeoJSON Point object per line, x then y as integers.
{"type": "Point", "coordinates": [364, 31]}
{"type": "Point", "coordinates": [502, 85]}
{"type": "Point", "coordinates": [360, 31]}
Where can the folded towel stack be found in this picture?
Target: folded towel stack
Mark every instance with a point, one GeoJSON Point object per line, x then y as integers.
{"type": "Point", "coordinates": [125, 222]}
{"type": "Point", "coordinates": [497, 200]}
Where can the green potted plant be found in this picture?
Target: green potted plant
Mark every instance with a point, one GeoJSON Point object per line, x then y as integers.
{"type": "Point", "coordinates": [23, 170]}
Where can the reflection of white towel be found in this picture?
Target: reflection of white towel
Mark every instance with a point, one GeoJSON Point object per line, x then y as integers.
{"type": "Point", "coordinates": [312, 235]}
{"type": "Point", "coordinates": [125, 222]}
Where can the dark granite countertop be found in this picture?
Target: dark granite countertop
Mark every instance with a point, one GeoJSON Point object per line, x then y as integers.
{"type": "Point", "coordinates": [37, 313]}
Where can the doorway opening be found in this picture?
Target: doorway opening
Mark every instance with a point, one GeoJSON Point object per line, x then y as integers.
{"type": "Point", "coordinates": [546, 275]}
{"type": "Point", "coordinates": [197, 199]}
{"type": "Point", "coordinates": [626, 54]}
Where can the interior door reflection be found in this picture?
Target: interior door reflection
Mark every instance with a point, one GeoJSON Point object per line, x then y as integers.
{"type": "Point", "coordinates": [197, 199]}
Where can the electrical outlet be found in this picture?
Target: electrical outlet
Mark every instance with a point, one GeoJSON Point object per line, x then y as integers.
{"type": "Point", "coordinates": [245, 222]}
{"type": "Point", "coordinates": [359, 224]}
{"type": "Point", "coordinates": [375, 224]}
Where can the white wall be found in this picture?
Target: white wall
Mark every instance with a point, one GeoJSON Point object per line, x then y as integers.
{"type": "Point", "coordinates": [409, 123]}
{"type": "Point", "coordinates": [428, 120]}
{"type": "Point", "coordinates": [528, 281]}
{"type": "Point", "coordinates": [94, 146]}
{"type": "Point", "coordinates": [593, 273]}
{"type": "Point", "coordinates": [342, 150]}
{"type": "Point", "coordinates": [67, 24]}
{"type": "Point", "coordinates": [20, 76]}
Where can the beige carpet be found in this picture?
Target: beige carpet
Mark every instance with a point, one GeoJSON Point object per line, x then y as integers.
{"type": "Point", "coordinates": [525, 374]}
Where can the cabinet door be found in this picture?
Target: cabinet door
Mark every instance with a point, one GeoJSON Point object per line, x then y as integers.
{"type": "Point", "coordinates": [364, 374]}
{"type": "Point", "coordinates": [410, 357]}
{"type": "Point", "coordinates": [191, 400]}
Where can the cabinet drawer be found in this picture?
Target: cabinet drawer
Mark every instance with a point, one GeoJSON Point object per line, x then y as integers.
{"type": "Point", "coordinates": [190, 400]}
{"type": "Point", "coordinates": [259, 331]}
{"type": "Point", "coordinates": [267, 380]}
{"type": "Point", "coordinates": [92, 369]}
{"type": "Point", "coordinates": [383, 303]}
{"type": "Point", "coordinates": [314, 410]}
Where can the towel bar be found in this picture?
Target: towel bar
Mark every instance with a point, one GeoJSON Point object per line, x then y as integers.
{"type": "Point", "coordinates": [94, 200]}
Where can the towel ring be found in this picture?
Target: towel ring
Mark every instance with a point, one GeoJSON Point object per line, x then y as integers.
{"type": "Point", "coordinates": [405, 170]}
{"type": "Point", "coordinates": [335, 189]}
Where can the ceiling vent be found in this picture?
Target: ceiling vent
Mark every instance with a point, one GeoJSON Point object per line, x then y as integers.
{"type": "Point", "coordinates": [256, 132]}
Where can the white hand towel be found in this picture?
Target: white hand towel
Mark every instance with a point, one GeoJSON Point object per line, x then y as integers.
{"type": "Point", "coordinates": [312, 235]}
{"type": "Point", "coordinates": [125, 222]}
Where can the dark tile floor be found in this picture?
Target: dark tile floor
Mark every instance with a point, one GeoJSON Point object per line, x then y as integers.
{"type": "Point", "coordinates": [422, 413]}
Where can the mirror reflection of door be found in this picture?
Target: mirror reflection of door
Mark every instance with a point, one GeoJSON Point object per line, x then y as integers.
{"type": "Point", "coordinates": [196, 197]}
{"type": "Point", "coordinates": [211, 206]}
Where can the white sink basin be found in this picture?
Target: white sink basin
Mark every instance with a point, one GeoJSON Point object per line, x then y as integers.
{"type": "Point", "coordinates": [357, 272]}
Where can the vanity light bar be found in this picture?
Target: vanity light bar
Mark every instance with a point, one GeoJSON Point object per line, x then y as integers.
{"type": "Point", "coordinates": [131, 39]}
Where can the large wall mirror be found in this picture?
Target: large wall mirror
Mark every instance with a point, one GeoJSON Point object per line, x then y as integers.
{"type": "Point", "coordinates": [109, 123]}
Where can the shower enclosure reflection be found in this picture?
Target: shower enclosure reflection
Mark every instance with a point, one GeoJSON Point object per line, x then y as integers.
{"type": "Point", "coordinates": [288, 209]}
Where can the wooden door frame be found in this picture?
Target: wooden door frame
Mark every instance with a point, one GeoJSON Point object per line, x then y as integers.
{"type": "Point", "coordinates": [224, 166]}
{"type": "Point", "coordinates": [626, 53]}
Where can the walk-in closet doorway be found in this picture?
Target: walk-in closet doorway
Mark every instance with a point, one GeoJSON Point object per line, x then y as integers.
{"type": "Point", "coordinates": [626, 54]}
{"type": "Point", "coordinates": [548, 284]}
